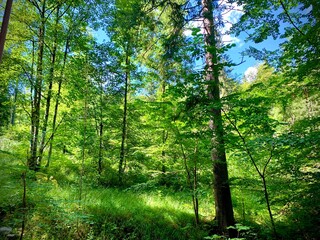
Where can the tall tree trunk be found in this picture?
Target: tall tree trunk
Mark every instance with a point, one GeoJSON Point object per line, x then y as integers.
{"type": "Point", "coordinates": [124, 121]}
{"type": "Point", "coordinates": [195, 184]}
{"type": "Point", "coordinates": [4, 26]}
{"type": "Point", "coordinates": [14, 105]}
{"type": "Point", "coordinates": [49, 94]}
{"type": "Point", "coordinates": [100, 157]}
{"type": "Point", "coordinates": [164, 131]}
{"type": "Point", "coordinates": [56, 107]}
{"type": "Point", "coordinates": [83, 151]}
{"type": "Point", "coordinates": [35, 114]}
{"type": "Point", "coordinates": [222, 194]}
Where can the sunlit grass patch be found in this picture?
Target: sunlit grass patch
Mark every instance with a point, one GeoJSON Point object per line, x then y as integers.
{"type": "Point", "coordinates": [146, 216]}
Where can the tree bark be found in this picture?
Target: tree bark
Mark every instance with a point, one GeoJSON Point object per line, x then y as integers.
{"type": "Point", "coordinates": [35, 114]}
{"type": "Point", "coordinates": [124, 121]}
{"type": "Point", "coordinates": [56, 107]}
{"type": "Point", "coordinates": [49, 94]}
{"type": "Point", "coordinates": [14, 105]}
{"type": "Point", "coordinates": [164, 131]}
{"type": "Point", "coordinates": [4, 26]}
{"type": "Point", "coordinates": [222, 194]}
{"type": "Point", "coordinates": [193, 185]}
{"type": "Point", "coordinates": [100, 157]}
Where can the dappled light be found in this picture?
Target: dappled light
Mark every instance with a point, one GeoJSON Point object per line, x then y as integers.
{"type": "Point", "coordinates": [159, 120]}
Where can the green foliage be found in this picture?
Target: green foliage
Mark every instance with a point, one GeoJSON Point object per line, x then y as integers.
{"type": "Point", "coordinates": [78, 195]}
{"type": "Point", "coordinates": [300, 45]}
{"type": "Point", "coordinates": [243, 233]}
{"type": "Point", "coordinates": [54, 210]}
{"type": "Point", "coordinates": [265, 123]}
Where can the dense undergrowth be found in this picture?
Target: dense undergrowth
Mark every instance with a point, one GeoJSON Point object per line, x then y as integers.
{"type": "Point", "coordinates": [60, 205]}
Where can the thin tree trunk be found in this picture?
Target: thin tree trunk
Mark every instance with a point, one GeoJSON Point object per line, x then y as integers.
{"type": "Point", "coordinates": [24, 204]}
{"type": "Point", "coordinates": [4, 26]}
{"type": "Point", "coordinates": [195, 185]}
{"type": "Point", "coordinates": [14, 106]}
{"type": "Point", "coordinates": [83, 152]}
{"type": "Point", "coordinates": [31, 93]}
{"type": "Point", "coordinates": [192, 185]}
{"type": "Point", "coordinates": [124, 121]}
{"type": "Point", "coordinates": [262, 174]}
{"type": "Point", "coordinates": [266, 195]}
{"type": "Point", "coordinates": [100, 157]}
{"type": "Point", "coordinates": [49, 94]}
{"type": "Point", "coordinates": [35, 115]}
{"type": "Point", "coordinates": [164, 131]}
{"type": "Point", "coordinates": [222, 194]}
{"type": "Point", "coordinates": [45, 123]}
{"type": "Point", "coordinates": [56, 107]}
{"type": "Point", "coordinates": [100, 147]}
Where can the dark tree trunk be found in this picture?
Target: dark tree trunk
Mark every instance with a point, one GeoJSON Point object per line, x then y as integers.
{"type": "Point", "coordinates": [222, 194]}
{"type": "Point", "coordinates": [35, 114]}
{"type": "Point", "coordinates": [14, 105]}
{"type": "Point", "coordinates": [266, 195]}
{"type": "Point", "coordinates": [100, 155]}
{"type": "Point", "coordinates": [100, 148]}
{"type": "Point", "coordinates": [4, 26]}
{"type": "Point", "coordinates": [124, 121]}
{"type": "Point", "coordinates": [49, 94]}
{"type": "Point", "coordinates": [164, 131]}
{"type": "Point", "coordinates": [56, 107]}
{"type": "Point", "coordinates": [193, 183]}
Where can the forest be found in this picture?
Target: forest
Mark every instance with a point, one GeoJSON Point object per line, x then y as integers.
{"type": "Point", "coordinates": [128, 119]}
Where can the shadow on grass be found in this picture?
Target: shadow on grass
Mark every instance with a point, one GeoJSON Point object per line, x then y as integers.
{"type": "Point", "coordinates": [125, 215]}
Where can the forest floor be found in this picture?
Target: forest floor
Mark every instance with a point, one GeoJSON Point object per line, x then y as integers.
{"type": "Point", "coordinates": [69, 200]}
{"type": "Point", "coordinates": [60, 205]}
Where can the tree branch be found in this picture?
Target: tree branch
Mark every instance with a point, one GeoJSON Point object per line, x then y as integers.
{"type": "Point", "coordinates": [244, 143]}
{"type": "Point", "coordinates": [291, 21]}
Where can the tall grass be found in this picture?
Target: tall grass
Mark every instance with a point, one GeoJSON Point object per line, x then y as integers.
{"type": "Point", "coordinates": [146, 210]}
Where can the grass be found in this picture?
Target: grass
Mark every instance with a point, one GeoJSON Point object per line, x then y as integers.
{"type": "Point", "coordinates": [111, 214]}
{"type": "Point", "coordinates": [146, 216]}
{"type": "Point", "coordinates": [140, 211]}
{"type": "Point", "coordinates": [55, 212]}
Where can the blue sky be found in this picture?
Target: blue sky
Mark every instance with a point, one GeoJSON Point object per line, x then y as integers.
{"type": "Point", "coordinates": [236, 56]}
{"type": "Point", "coordinates": [269, 44]}
{"type": "Point", "coordinates": [234, 53]}
{"type": "Point", "coordinates": [249, 63]}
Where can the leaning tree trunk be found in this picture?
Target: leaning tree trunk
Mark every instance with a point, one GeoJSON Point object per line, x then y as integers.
{"type": "Point", "coordinates": [35, 114]}
{"type": "Point", "coordinates": [222, 195]}
{"type": "Point", "coordinates": [4, 26]}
